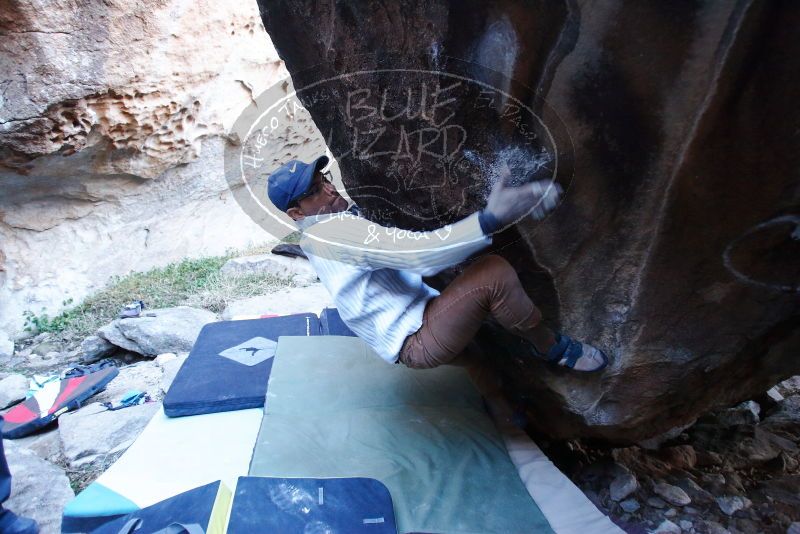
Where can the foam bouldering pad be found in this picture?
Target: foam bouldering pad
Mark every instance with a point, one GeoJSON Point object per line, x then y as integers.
{"type": "Point", "coordinates": [230, 363]}
{"type": "Point", "coordinates": [335, 409]}
{"type": "Point", "coordinates": [206, 507]}
{"type": "Point", "coordinates": [331, 323]}
{"type": "Point", "coordinates": [285, 505]}
{"type": "Point", "coordinates": [55, 398]}
{"type": "Point", "coordinates": [170, 456]}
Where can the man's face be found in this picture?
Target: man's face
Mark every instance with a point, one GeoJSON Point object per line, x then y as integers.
{"type": "Point", "coordinates": [323, 198]}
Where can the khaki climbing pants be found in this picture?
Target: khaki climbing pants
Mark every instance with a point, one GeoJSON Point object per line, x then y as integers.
{"type": "Point", "coordinates": [450, 321]}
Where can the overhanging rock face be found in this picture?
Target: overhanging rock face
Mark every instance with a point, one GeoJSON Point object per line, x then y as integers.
{"type": "Point", "coordinates": [673, 129]}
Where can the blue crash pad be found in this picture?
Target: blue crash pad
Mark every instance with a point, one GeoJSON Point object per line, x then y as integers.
{"type": "Point", "coordinates": [206, 506]}
{"type": "Point", "coordinates": [230, 363]}
{"type": "Point", "coordinates": [332, 325]}
{"type": "Point", "coordinates": [282, 505]}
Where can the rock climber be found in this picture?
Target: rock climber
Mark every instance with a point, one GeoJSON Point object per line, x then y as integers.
{"type": "Point", "coordinates": [374, 273]}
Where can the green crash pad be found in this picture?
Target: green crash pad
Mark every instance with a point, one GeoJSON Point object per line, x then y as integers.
{"type": "Point", "coordinates": [336, 409]}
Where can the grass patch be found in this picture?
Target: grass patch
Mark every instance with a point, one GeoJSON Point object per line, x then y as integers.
{"type": "Point", "coordinates": [191, 282]}
{"type": "Point", "coordinates": [84, 475]}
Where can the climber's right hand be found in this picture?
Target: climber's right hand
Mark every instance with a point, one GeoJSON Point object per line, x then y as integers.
{"type": "Point", "coordinates": [507, 204]}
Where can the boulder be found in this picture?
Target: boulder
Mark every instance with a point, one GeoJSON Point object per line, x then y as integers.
{"type": "Point", "coordinates": [95, 348]}
{"type": "Point", "coordinates": [671, 494]}
{"type": "Point", "coordinates": [712, 527]}
{"type": "Point", "coordinates": [158, 330]}
{"type": "Point", "coordinates": [785, 413]}
{"type": "Point", "coordinates": [622, 486]}
{"type": "Point", "coordinates": [746, 413]}
{"type": "Point", "coordinates": [679, 456]}
{"type": "Point", "coordinates": [312, 298]}
{"type": "Point", "coordinates": [789, 387]}
{"type": "Point", "coordinates": [695, 491]}
{"type": "Point", "coordinates": [731, 504]}
{"type": "Point", "coordinates": [629, 505]}
{"type": "Point", "coordinates": [298, 270]}
{"type": "Point", "coordinates": [39, 489]}
{"type": "Point", "coordinates": [114, 117]}
{"type": "Point", "coordinates": [664, 250]}
{"type": "Point", "coordinates": [12, 390]}
{"type": "Point", "coordinates": [667, 527]}
{"type": "Point", "coordinates": [92, 432]}
{"type": "Point", "coordinates": [46, 444]}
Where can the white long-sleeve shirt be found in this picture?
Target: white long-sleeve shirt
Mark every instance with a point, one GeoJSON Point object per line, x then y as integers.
{"type": "Point", "coordinates": [374, 273]}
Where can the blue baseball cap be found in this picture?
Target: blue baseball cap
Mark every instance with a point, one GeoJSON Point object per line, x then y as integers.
{"type": "Point", "coordinates": [291, 180]}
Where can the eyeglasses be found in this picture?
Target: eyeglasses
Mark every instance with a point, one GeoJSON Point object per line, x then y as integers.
{"type": "Point", "coordinates": [314, 188]}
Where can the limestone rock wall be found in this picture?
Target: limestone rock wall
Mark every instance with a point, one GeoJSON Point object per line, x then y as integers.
{"type": "Point", "coordinates": [677, 245]}
{"type": "Point", "coordinates": [114, 117]}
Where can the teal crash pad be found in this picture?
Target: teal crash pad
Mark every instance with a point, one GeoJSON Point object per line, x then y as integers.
{"type": "Point", "coordinates": [336, 409]}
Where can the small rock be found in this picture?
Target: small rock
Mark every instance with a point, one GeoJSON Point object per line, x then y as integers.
{"type": "Point", "coordinates": [787, 412]}
{"type": "Point", "coordinates": [794, 528]}
{"type": "Point", "coordinates": [672, 512]}
{"type": "Point", "coordinates": [12, 390]}
{"type": "Point", "coordinates": [694, 491]}
{"type": "Point", "coordinates": [748, 526]}
{"type": "Point", "coordinates": [41, 338]}
{"type": "Point", "coordinates": [680, 456]}
{"type": "Point", "coordinates": [685, 525]}
{"type": "Point", "coordinates": [40, 490]}
{"type": "Point", "coordinates": [171, 369]}
{"type": "Point", "coordinates": [790, 386]}
{"type": "Point", "coordinates": [746, 413]}
{"type": "Point", "coordinates": [729, 504]}
{"type": "Point", "coordinates": [713, 478]}
{"type": "Point", "coordinates": [707, 458]}
{"type": "Point", "coordinates": [667, 527]}
{"type": "Point", "coordinates": [6, 346]}
{"type": "Point", "coordinates": [43, 348]}
{"type": "Point", "coordinates": [95, 348]}
{"type": "Point", "coordinates": [161, 359]}
{"type": "Point", "coordinates": [712, 527]}
{"type": "Point", "coordinates": [783, 463]}
{"type": "Point", "coordinates": [655, 502]}
{"type": "Point", "coordinates": [655, 442]}
{"type": "Point", "coordinates": [733, 483]}
{"type": "Point", "coordinates": [691, 510]}
{"type": "Point", "coordinates": [671, 494]}
{"type": "Point", "coordinates": [622, 486]}
{"type": "Point", "coordinates": [93, 432]}
{"type": "Point", "coordinates": [761, 447]}
{"type": "Point", "coordinates": [629, 505]}
{"type": "Point", "coordinates": [45, 445]}
{"type": "Point", "coordinates": [774, 394]}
